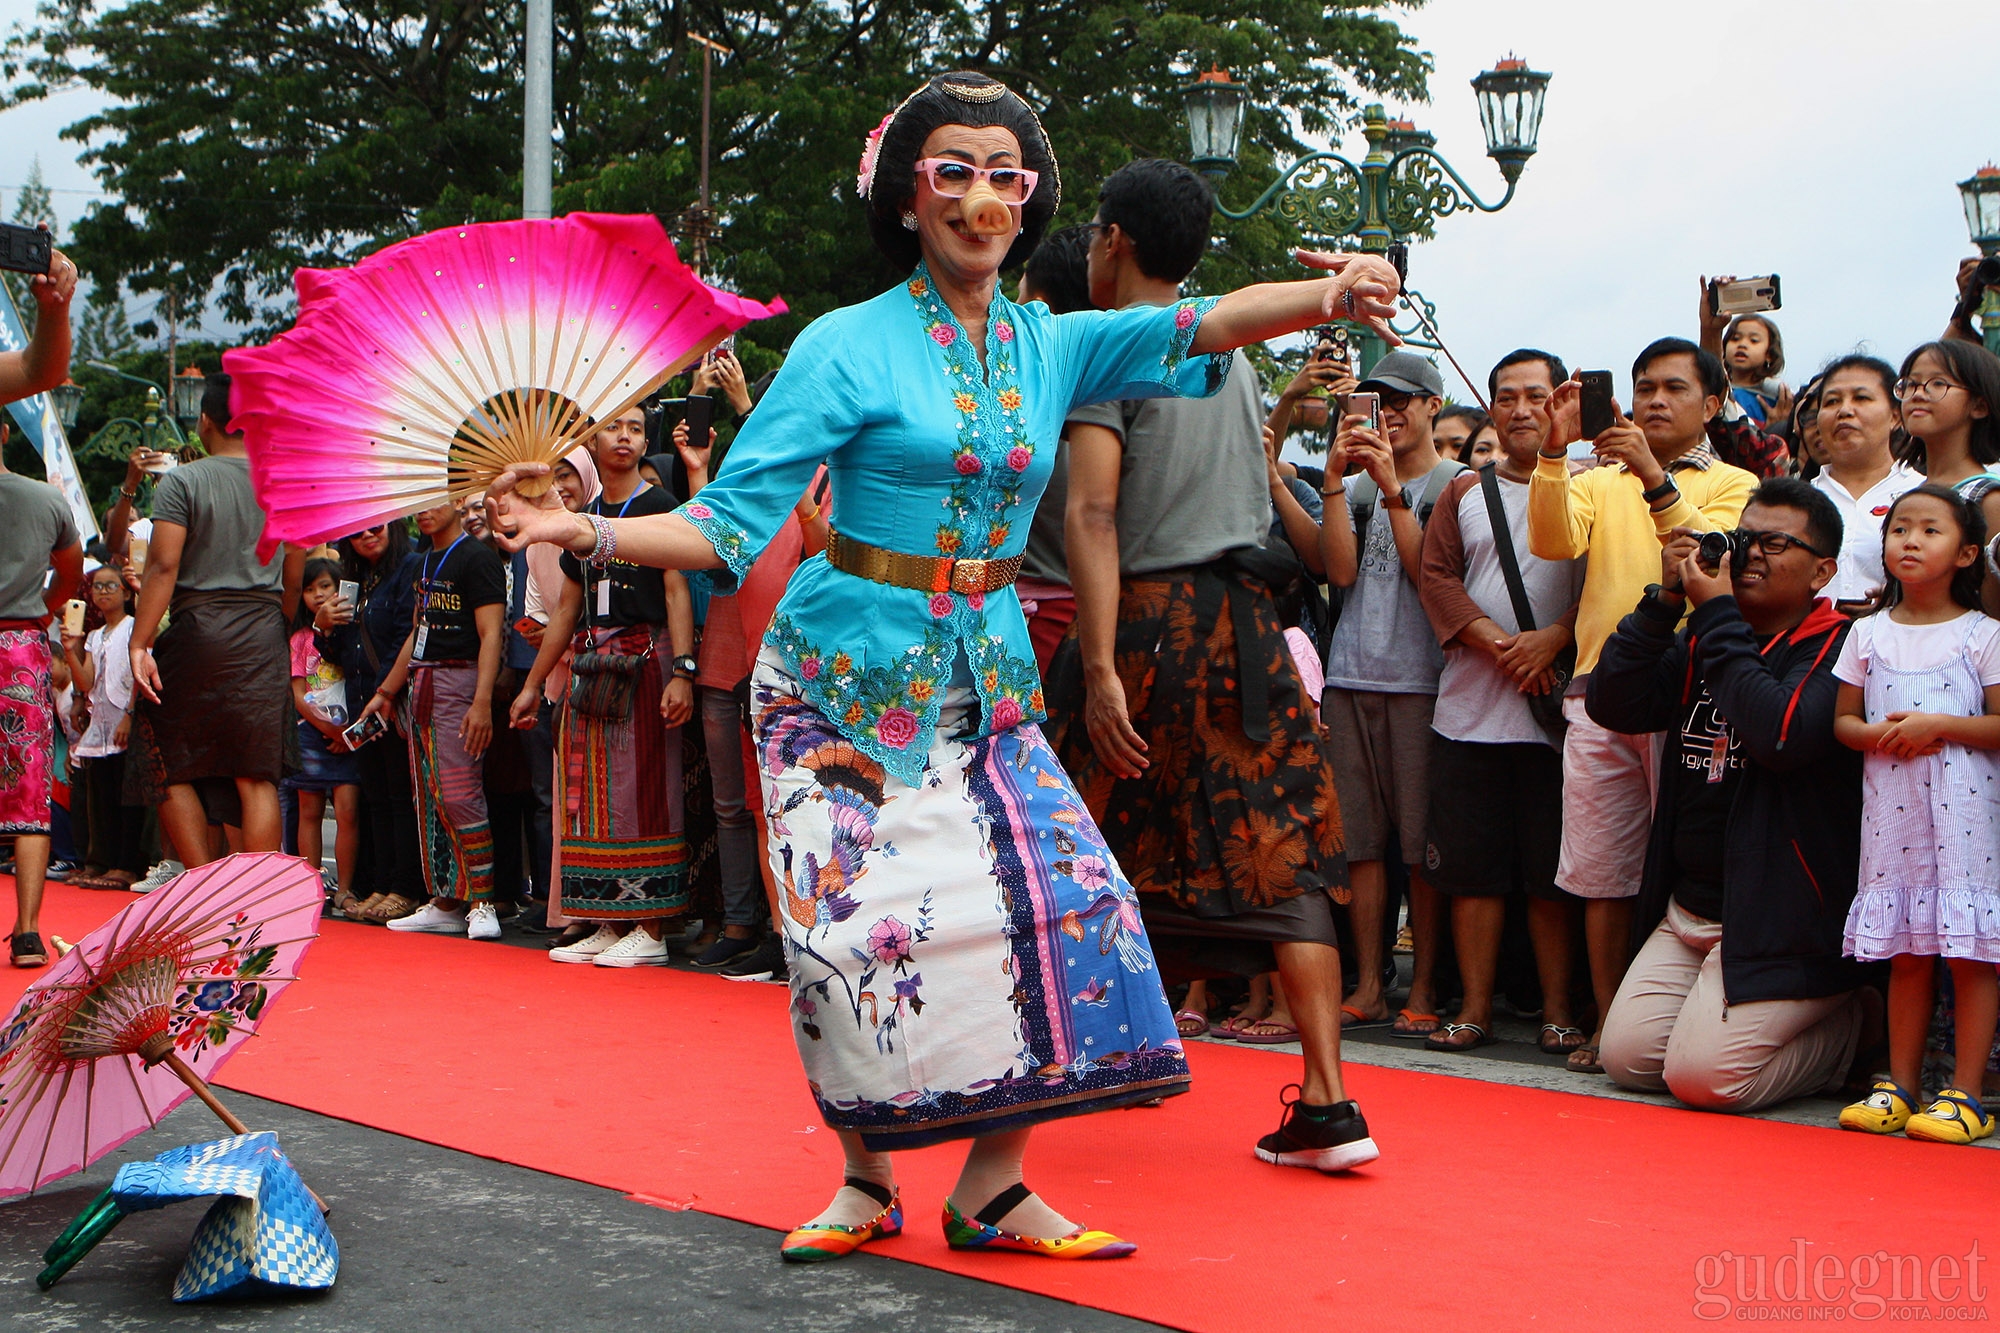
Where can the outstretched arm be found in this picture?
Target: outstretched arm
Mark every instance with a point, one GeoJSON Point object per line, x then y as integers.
{"type": "Point", "coordinates": [662, 541]}
{"type": "Point", "coordinates": [44, 362]}
{"type": "Point", "coordinates": [1363, 287]}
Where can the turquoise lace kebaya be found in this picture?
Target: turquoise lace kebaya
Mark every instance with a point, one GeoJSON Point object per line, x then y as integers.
{"type": "Point", "coordinates": [928, 455]}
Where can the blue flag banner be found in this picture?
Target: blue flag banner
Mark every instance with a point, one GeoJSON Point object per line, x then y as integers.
{"type": "Point", "coordinates": [38, 421]}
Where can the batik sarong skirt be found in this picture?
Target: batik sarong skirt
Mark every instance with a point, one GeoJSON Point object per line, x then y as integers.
{"type": "Point", "coordinates": [27, 732]}
{"type": "Point", "coordinates": [454, 834]}
{"type": "Point", "coordinates": [624, 851]}
{"type": "Point", "coordinates": [965, 956]}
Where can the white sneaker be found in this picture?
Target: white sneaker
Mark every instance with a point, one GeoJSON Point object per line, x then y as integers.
{"type": "Point", "coordinates": [587, 948]}
{"type": "Point", "coordinates": [158, 876]}
{"type": "Point", "coordinates": [635, 949]}
{"type": "Point", "coordinates": [482, 922]}
{"type": "Point", "coordinates": [430, 919]}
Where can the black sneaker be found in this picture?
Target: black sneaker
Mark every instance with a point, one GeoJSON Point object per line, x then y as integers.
{"type": "Point", "coordinates": [1336, 1143]}
{"type": "Point", "coordinates": [724, 950]}
{"type": "Point", "coordinates": [27, 949]}
{"type": "Point", "coordinates": [59, 871]}
{"type": "Point", "coordinates": [766, 962]}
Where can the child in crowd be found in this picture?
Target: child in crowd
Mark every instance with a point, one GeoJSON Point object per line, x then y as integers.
{"type": "Point", "coordinates": [326, 765]}
{"type": "Point", "coordinates": [1753, 354]}
{"type": "Point", "coordinates": [1920, 695]}
{"type": "Point", "coordinates": [101, 665]}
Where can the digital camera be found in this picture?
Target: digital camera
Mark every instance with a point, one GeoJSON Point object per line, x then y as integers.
{"type": "Point", "coordinates": [1718, 546]}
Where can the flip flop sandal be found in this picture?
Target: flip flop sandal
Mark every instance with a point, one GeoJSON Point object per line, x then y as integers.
{"type": "Point", "coordinates": [93, 882]}
{"type": "Point", "coordinates": [1442, 1039]}
{"type": "Point", "coordinates": [1412, 1032]}
{"type": "Point", "coordinates": [344, 905]}
{"type": "Point", "coordinates": [1231, 1028]}
{"type": "Point", "coordinates": [1286, 1033]}
{"type": "Point", "coordinates": [1354, 1020]}
{"type": "Point", "coordinates": [1555, 1039]}
{"type": "Point", "coordinates": [1189, 1023]}
{"type": "Point", "coordinates": [391, 907]}
{"type": "Point", "coordinates": [1583, 1060]}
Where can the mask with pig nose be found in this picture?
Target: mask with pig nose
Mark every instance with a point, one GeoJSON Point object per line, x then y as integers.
{"type": "Point", "coordinates": [984, 213]}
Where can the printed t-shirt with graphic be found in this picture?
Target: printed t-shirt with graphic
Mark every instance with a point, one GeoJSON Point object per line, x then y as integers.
{"type": "Point", "coordinates": [1703, 763]}
{"type": "Point", "coordinates": [450, 586]}
{"type": "Point", "coordinates": [326, 688]}
{"type": "Point", "coordinates": [623, 594]}
{"type": "Point", "coordinates": [1383, 642]}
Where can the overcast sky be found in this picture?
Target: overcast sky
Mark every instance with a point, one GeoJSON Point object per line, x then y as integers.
{"type": "Point", "coordinates": [1819, 139]}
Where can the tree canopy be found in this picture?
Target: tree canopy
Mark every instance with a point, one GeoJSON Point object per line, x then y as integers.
{"type": "Point", "coordinates": [250, 137]}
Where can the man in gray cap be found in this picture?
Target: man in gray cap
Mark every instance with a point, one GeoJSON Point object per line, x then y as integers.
{"type": "Point", "coordinates": [1382, 668]}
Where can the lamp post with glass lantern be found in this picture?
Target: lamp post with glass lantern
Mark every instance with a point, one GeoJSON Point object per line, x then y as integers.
{"type": "Point", "coordinates": [1981, 196]}
{"type": "Point", "coordinates": [1398, 190]}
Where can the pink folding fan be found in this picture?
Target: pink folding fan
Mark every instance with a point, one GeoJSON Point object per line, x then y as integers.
{"type": "Point", "coordinates": [419, 374]}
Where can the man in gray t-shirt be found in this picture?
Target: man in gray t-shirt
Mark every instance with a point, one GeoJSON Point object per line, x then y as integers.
{"type": "Point", "coordinates": [1176, 705]}
{"type": "Point", "coordinates": [215, 689]}
{"type": "Point", "coordinates": [1382, 669]}
{"type": "Point", "coordinates": [41, 564]}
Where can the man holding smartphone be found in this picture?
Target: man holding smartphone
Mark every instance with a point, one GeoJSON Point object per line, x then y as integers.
{"type": "Point", "coordinates": [1657, 472]}
{"type": "Point", "coordinates": [44, 362]}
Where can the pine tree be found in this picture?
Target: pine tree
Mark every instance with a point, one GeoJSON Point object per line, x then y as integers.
{"type": "Point", "coordinates": [34, 205]}
{"type": "Point", "coordinates": [103, 332]}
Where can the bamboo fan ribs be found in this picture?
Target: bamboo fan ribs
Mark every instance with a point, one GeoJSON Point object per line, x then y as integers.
{"type": "Point", "coordinates": [417, 376]}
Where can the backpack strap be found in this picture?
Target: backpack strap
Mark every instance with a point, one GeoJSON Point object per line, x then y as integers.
{"type": "Point", "coordinates": [1362, 493]}
{"type": "Point", "coordinates": [1503, 546]}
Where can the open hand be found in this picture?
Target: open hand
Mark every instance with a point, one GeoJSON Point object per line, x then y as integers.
{"type": "Point", "coordinates": [1701, 585]}
{"type": "Point", "coordinates": [475, 729]}
{"type": "Point", "coordinates": [1363, 288]}
{"type": "Point", "coordinates": [1119, 748]}
{"type": "Point", "coordinates": [145, 674]}
{"type": "Point", "coordinates": [54, 289]}
{"type": "Point", "coordinates": [516, 521]}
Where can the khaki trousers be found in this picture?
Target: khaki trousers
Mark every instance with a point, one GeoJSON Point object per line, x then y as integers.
{"type": "Point", "coordinates": [1669, 1030]}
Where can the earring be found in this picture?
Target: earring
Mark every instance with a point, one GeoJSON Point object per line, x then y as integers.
{"type": "Point", "coordinates": [909, 220]}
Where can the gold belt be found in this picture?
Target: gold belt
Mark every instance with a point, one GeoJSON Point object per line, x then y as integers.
{"type": "Point", "coordinates": [925, 573]}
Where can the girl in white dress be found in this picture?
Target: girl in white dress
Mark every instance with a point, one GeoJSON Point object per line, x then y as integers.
{"type": "Point", "coordinates": [1920, 695]}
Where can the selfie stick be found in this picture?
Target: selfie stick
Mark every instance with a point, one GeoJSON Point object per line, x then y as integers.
{"type": "Point", "coordinates": [1416, 308]}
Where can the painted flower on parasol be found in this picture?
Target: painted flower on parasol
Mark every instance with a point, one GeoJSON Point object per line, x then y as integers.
{"type": "Point", "coordinates": [418, 375]}
{"type": "Point", "coordinates": [144, 1009]}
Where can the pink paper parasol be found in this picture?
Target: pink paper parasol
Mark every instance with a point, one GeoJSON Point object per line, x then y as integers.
{"type": "Point", "coordinates": [416, 376]}
{"type": "Point", "coordinates": [144, 1009]}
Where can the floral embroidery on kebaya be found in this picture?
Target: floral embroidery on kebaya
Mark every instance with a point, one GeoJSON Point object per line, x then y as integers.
{"type": "Point", "coordinates": [730, 542]}
{"type": "Point", "coordinates": [1188, 315]}
{"type": "Point", "coordinates": [1010, 685]}
{"type": "Point", "coordinates": [887, 710]}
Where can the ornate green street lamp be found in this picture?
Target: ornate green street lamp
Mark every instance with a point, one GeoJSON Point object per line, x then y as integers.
{"type": "Point", "coordinates": [188, 387]}
{"type": "Point", "coordinates": [1398, 191]}
{"type": "Point", "coordinates": [1981, 197]}
{"type": "Point", "coordinates": [118, 436]}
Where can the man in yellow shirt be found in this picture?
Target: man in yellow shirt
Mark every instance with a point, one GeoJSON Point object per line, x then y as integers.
{"type": "Point", "coordinates": [1656, 472]}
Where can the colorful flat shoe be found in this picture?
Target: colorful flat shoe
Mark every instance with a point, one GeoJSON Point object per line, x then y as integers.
{"type": "Point", "coordinates": [1955, 1117]}
{"type": "Point", "coordinates": [979, 1233]}
{"type": "Point", "coordinates": [1885, 1110]}
{"type": "Point", "coordinates": [817, 1244]}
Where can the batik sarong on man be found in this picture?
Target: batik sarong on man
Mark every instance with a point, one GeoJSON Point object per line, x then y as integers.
{"type": "Point", "coordinates": [624, 856]}
{"type": "Point", "coordinates": [454, 837]}
{"type": "Point", "coordinates": [1231, 835]}
{"type": "Point", "coordinates": [965, 958]}
{"type": "Point", "coordinates": [27, 730]}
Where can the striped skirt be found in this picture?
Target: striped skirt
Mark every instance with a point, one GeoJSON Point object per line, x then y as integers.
{"type": "Point", "coordinates": [624, 849]}
{"type": "Point", "coordinates": [965, 956]}
{"type": "Point", "coordinates": [454, 838]}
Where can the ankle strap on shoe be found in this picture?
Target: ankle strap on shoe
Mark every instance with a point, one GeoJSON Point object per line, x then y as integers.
{"type": "Point", "coordinates": [881, 1194]}
{"type": "Point", "coordinates": [1005, 1202]}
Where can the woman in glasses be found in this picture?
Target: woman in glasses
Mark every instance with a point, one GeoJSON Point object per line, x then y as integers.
{"type": "Point", "coordinates": [1949, 393]}
{"type": "Point", "coordinates": [966, 959]}
{"type": "Point", "coordinates": [363, 640]}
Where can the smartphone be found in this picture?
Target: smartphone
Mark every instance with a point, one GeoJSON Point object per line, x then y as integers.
{"type": "Point", "coordinates": [160, 463]}
{"type": "Point", "coordinates": [364, 731]}
{"type": "Point", "coordinates": [698, 412]}
{"type": "Point", "coordinates": [140, 546]}
{"type": "Point", "coordinates": [1744, 296]}
{"type": "Point", "coordinates": [1595, 406]}
{"type": "Point", "coordinates": [72, 617]}
{"type": "Point", "coordinates": [1399, 257]}
{"type": "Point", "coordinates": [1366, 405]}
{"type": "Point", "coordinates": [25, 249]}
{"type": "Point", "coordinates": [728, 344]}
{"type": "Point", "coordinates": [350, 592]}
{"type": "Point", "coordinates": [525, 624]}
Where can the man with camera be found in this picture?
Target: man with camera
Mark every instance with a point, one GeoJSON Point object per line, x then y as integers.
{"type": "Point", "coordinates": [41, 564]}
{"type": "Point", "coordinates": [1739, 996]}
{"type": "Point", "coordinates": [1657, 473]}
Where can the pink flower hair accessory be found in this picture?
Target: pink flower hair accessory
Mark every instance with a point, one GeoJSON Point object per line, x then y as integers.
{"type": "Point", "coordinates": [871, 149]}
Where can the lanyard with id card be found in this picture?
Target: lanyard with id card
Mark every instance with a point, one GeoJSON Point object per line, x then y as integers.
{"type": "Point", "coordinates": [423, 610]}
{"type": "Point", "coordinates": [602, 607]}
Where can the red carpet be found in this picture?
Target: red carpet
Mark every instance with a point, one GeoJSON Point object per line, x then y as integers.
{"type": "Point", "coordinates": [1493, 1207]}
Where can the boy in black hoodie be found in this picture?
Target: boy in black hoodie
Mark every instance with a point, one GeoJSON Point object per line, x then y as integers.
{"type": "Point", "coordinates": [1739, 996]}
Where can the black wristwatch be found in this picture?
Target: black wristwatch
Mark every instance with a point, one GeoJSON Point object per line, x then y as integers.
{"type": "Point", "coordinates": [686, 666]}
{"type": "Point", "coordinates": [1661, 491]}
{"type": "Point", "coordinates": [1664, 602]}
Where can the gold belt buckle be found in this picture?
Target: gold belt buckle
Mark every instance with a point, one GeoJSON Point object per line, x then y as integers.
{"type": "Point", "coordinates": [969, 576]}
